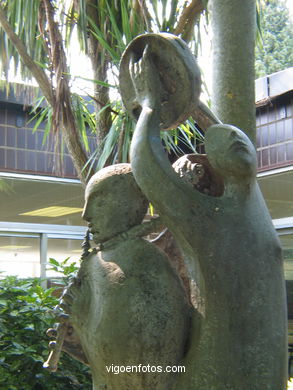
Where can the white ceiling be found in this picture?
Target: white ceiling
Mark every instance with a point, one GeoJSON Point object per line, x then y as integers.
{"type": "Point", "coordinates": [277, 190]}
{"type": "Point", "coordinates": [20, 195]}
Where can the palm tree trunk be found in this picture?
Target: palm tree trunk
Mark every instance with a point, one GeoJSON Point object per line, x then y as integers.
{"type": "Point", "coordinates": [59, 99]}
{"type": "Point", "coordinates": [100, 64]}
{"type": "Point", "coordinates": [37, 72]}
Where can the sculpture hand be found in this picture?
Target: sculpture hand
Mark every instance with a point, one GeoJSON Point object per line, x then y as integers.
{"type": "Point", "coordinates": [145, 78]}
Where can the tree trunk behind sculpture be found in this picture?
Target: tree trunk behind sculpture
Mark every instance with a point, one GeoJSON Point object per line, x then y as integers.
{"type": "Point", "coordinates": [234, 29]}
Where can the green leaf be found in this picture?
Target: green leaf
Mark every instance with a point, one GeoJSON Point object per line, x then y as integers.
{"type": "Point", "coordinates": [53, 262]}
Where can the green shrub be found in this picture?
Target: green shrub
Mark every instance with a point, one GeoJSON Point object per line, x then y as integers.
{"type": "Point", "coordinates": [24, 318]}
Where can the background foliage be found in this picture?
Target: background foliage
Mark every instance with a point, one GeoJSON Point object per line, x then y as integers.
{"type": "Point", "coordinates": [25, 315]}
{"type": "Point", "coordinates": [275, 51]}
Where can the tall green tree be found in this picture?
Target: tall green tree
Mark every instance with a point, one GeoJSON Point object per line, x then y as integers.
{"type": "Point", "coordinates": [275, 51]}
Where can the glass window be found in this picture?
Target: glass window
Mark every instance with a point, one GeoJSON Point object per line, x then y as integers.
{"type": "Point", "coordinates": [287, 244]}
{"type": "Point", "coordinates": [288, 129]}
{"type": "Point", "coordinates": [11, 137]}
{"type": "Point", "coordinates": [264, 136]}
{"type": "Point", "coordinates": [264, 157]}
{"type": "Point", "coordinates": [273, 155]}
{"type": "Point", "coordinates": [289, 151]}
{"type": "Point", "coordinates": [281, 150]}
{"type": "Point", "coordinates": [20, 256]}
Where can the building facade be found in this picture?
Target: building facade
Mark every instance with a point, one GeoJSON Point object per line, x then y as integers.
{"type": "Point", "coordinates": [274, 113]}
{"type": "Point", "coordinates": [40, 204]}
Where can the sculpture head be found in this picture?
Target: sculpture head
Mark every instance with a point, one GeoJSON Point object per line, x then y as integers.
{"type": "Point", "coordinates": [230, 152]}
{"type": "Point", "coordinates": [113, 202]}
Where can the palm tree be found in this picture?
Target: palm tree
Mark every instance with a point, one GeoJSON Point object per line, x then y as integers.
{"type": "Point", "coordinates": [37, 34]}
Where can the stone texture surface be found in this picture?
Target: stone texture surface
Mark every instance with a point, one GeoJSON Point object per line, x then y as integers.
{"type": "Point", "coordinates": [228, 243]}
{"type": "Point", "coordinates": [127, 305]}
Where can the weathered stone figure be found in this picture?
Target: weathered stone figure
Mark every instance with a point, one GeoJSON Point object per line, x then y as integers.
{"type": "Point", "coordinates": [127, 305]}
{"type": "Point", "coordinates": [240, 342]}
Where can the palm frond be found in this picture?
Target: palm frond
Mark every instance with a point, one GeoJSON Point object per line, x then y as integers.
{"type": "Point", "coordinates": [125, 25]}
{"type": "Point", "coordinates": [98, 34]}
{"type": "Point", "coordinates": [23, 16]}
{"type": "Point", "coordinates": [110, 145]}
{"type": "Point", "coordinates": [112, 24]}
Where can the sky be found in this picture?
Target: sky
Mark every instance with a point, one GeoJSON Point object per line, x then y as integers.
{"type": "Point", "coordinates": [290, 7]}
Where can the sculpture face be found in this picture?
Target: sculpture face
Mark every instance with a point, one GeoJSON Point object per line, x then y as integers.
{"type": "Point", "coordinates": [99, 214]}
{"type": "Point", "coordinates": [230, 151]}
{"type": "Point", "coordinates": [113, 203]}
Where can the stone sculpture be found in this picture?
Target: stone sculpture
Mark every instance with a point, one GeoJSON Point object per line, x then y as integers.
{"type": "Point", "coordinates": [229, 239]}
{"type": "Point", "coordinates": [126, 305]}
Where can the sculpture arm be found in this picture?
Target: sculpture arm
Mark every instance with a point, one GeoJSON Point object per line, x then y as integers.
{"type": "Point", "coordinates": [154, 174]}
{"type": "Point", "coordinates": [174, 199]}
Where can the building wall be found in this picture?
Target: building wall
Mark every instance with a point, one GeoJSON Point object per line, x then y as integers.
{"type": "Point", "coordinates": [274, 122]}
{"type": "Point", "coordinates": [28, 150]}
{"type": "Point", "coordinates": [25, 150]}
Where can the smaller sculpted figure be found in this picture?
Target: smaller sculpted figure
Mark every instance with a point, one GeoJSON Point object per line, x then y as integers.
{"type": "Point", "coordinates": [127, 306]}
